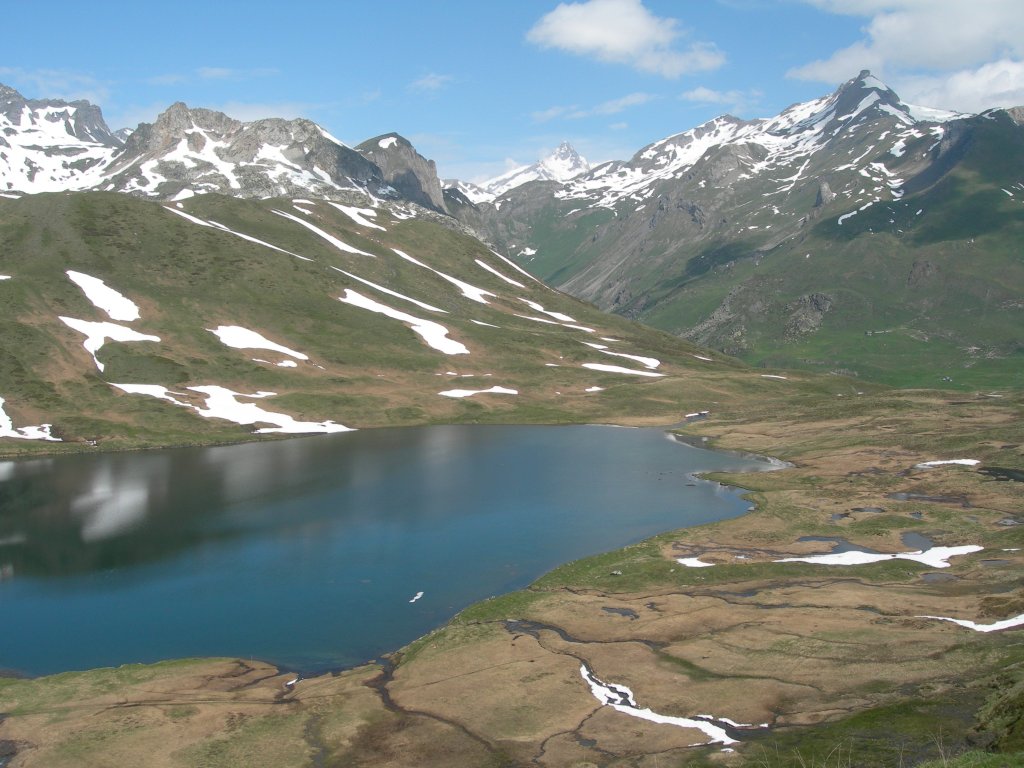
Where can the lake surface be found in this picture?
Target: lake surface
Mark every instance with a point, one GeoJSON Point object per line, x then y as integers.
{"type": "Point", "coordinates": [307, 552]}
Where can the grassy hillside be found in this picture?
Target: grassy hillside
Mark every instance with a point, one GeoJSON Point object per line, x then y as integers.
{"type": "Point", "coordinates": [363, 368]}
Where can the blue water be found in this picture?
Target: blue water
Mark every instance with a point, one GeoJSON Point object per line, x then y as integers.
{"type": "Point", "coordinates": [306, 552]}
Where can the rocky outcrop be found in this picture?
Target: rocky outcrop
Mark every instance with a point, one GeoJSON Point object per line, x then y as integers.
{"type": "Point", "coordinates": [207, 151]}
{"type": "Point", "coordinates": [412, 176]}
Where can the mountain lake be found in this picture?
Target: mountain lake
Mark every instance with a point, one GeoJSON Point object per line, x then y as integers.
{"type": "Point", "coordinates": [321, 552]}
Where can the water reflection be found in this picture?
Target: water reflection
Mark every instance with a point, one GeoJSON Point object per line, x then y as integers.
{"type": "Point", "coordinates": [272, 549]}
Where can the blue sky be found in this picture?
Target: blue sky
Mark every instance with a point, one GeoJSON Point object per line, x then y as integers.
{"type": "Point", "coordinates": [481, 86]}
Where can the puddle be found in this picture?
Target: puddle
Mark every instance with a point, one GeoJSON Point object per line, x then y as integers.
{"type": "Point", "coordinates": [996, 563]}
{"type": "Point", "coordinates": [917, 515]}
{"type": "Point", "coordinates": [840, 545]}
{"type": "Point", "coordinates": [903, 496]}
{"type": "Point", "coordinates": [629, 613]}
{"type": "Point", "coordinates": [876, 510]}
{"type": "Point", "coordinates": [1003, 474]}
{"type": "Point", "coordinates": [837, 516]}
{"type": "Point", "coordinates": [915, 540]}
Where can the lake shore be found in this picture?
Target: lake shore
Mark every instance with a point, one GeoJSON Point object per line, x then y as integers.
{"type": "Point", "coordinates": [822, 654]}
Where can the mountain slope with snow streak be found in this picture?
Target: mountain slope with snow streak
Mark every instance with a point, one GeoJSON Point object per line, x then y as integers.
{"type": "Point", "coordinates": [216, 318]}
{"type": "Point", "coordinates": [734, 235]}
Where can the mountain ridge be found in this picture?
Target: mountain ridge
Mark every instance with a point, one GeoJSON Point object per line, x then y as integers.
{"type": "Point", "coordinates": [733, 205]}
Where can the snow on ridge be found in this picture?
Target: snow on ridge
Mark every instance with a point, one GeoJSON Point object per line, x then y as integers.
{"type": "Point", "coordinates": [102, 296]}
{"type": "Point", "coordinates": [620, 369]}
{"type": "Point", "coordinates": [40, 432]}
{"type": "Point", "coordinates": [434, 334]}
{"type": "Point", "coordinates": [556, 315]}
{"type": "Point", "coordinates": [518, 268]}
{"type": "Point", "coordinates": [222, 228]}
{"type": "Point", "coordinates": [97, 335]}
{"type": "Point", "coordinates": [237, 337]}
{"type": "Point", "coordinates": [647, 362]}
{"type": "Point", "coordinates": [495, 272]}
{"type": "Point", "coordinates": [341, 246]}
{"type": "Point", "coordinates": [358, 215]}
{"type": "Point", "coordinates": [389, 292]}
{"type": "Point", "coordinates": [496, 390]}
{"type": "Point", "coordinates": [469, 291]}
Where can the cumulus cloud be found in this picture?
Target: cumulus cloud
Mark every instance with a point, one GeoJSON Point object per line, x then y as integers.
{"type": "Point", "coordinates": [944, 53]}
{"type": "Point", "coordinates": [623, 32]}
{"type": "Point", "coordinates": [999, 84]}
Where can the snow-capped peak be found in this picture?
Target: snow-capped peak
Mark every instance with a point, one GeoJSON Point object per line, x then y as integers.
{"type": "Point", "coordinates": [562, 165]}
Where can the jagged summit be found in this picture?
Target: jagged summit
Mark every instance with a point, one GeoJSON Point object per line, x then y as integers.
{"type": "Point", "coordinates": [563, 164]}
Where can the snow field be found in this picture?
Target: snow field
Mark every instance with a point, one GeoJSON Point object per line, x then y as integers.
{"type": "Point", "coordinates": [237, 337]}
{"type": "Point", "coordinates": [389, 292]}
{"type": "Point", "coordinates": [40, 432]}
{"type": "Point", "coordinates": [103, 297]}
{"type": "Point", "coordinates": [358, 215]}
{"type": "Point", "coordinates": [469, 291]}
{"type": "Point", "coordinates": [470, 392]}
{"type": "Point", "coordinates": [341, 246]}
{"type": "Point", "coordinates": [434, 334]}
{"type": "Point", "coordinates": [97, 334]}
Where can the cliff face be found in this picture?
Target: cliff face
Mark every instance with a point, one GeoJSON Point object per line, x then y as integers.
{"type": "Point", "coordinates": [411, 175]}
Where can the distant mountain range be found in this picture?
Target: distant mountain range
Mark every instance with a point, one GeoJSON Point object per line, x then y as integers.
{"type": "Point", "coordinates": [792, 240]}
{"type": "Point", "coordinates": [851, 233]}
{"type": "Point", "coordinates": [563, 164]}
{"type": "Point", "coordinates": [200, 279]}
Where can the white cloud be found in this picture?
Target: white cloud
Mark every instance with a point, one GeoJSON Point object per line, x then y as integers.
{"type": "Point", "coordinates": [55, 84]}
{"type": "Point", "coordinates": [225, 73]}
{"type": "Point", "coordinates": [733, 100]}
{"type": "Point", "coordinates": [962, 55]}
{"type": "Point", "coordinates": [430, 83]}
{"type": "Point", "coordinates": [623, 32]}
{"type": "Point", "coordinates": [999, 84]}
{"type": "Point", "coordinates": [611, 107]}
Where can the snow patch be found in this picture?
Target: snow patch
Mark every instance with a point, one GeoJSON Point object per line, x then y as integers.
{"type": "Point", "coordinates": [620, 698]}
{"type": "Point", "coordinates": [117, 306]}
{"type": "Point", "coordinates": [471, 392]}
{"type": "Point", "coordinates": [222, 403]}
{"type": "Point", "coordinates": [359, 215]}
{"type": "Point", "coordinates": [237, 337]}
{"type": "Point", "coordinates": [693, 562]}
{"type": "Point", "coordinates": [962, 462]}
{"type": "Point", "coordinates": [97, 335]}
{"type": "Point", "coordinates": [40, 432]}
{"type": "Point", "coordinates": [341, 246]}
{"type": "Point", "coordinates": [936, 557]}
{"type": "Point", "coordinates": [434, 334]}
{"type": "Point", "coordinates": [619, 369]}
{"type": "Point", "coordinates": [1016, 621]}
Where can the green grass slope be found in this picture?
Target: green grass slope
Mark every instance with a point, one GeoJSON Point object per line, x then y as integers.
{"type": "Point", "coordinates": [363, 369]}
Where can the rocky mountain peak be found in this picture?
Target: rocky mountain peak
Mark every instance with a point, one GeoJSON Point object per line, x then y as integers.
{"type": "Point", "coordinates": [411, 175]}
{"type": "Point", "coordinates": [9, 94]}
{"type": "Point", "coordinates": [564, 163]}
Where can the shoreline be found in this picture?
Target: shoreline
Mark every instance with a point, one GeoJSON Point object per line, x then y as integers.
{"type": "Point", "coordinates": [814, 649]}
